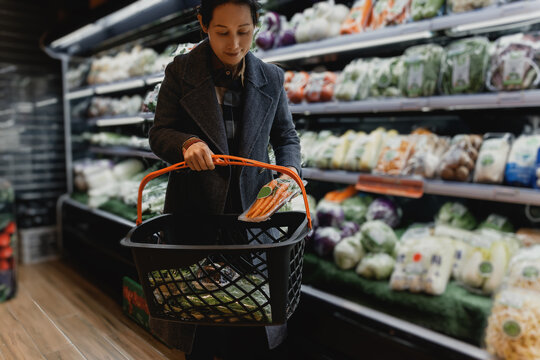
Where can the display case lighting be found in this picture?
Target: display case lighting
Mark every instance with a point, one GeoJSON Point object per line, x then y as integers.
{"type": "Point", "coordinates": [125, 85]}
{"type": "Point", "coordinates": [120, 121]}
{"type": "Point", "coordinates": [353, 45]}
{"type": "Point", "coordinates": [46, 102]}
{"type": "Point", "coordinates": [499, 21]}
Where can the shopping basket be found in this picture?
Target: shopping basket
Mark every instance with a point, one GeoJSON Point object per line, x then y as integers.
{"type": "Point", "coordinates": [220, 270]}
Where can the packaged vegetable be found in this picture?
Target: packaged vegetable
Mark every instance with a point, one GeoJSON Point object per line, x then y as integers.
{"type": "Point", "coordinates": [372, 149]}
{"type": "Point", "coordinates": [492, 158]}
{"type": "Point", "coordinates": [462, 239]}
{"type": "Point", "coordinates": [325, 239]}
{"type": "Point", "coordinates": [423, 265]}
{"type": "Point", "coordinates": [520, 166]}
{"type": "Point", "coordinates": [326, 151]}
{"type": "Point", "coordinates": [400, 12]}
{"type": "Point", "coordinates": [376, 266]}
{"type": "Point", "coordinates": [417, 231]}
{"type": "Point", "coordinates": [464, 66]}
{"type": "Point", "coordinates": [458, 161]}
{"type": "Point", "coordinates": [421, 66]}
{"type": "Point", "coordinates": [357, 19]}
{"type": "Point", "coordinates": [425, 9]}
{"type": "Point", "coordinates": [340, 195]}
{"type": "Point", "coordinates": [514, 325]}
{"type": "Point", "coordinates": [394, 155]}
{"type": "Point", "coordinates": [355, 152]}
{"type": "Point", "coordinates": [380, 14]}
{"type": "Point", "coordinates": [385, 210]}
{"type": "Point", "coordinates": [348, 252]}
{"type": "Point", "coordinates": [340, 152]}
{"type": "Point", "coordinates": [426, 154]}
{"type": "Point", "coordinates": [150, 101]}
{"type": "Point", "coordinates": [270, 199]}
{"type": "Point", "coordinates": [353, 82]}
{"type": "Point", "coordinates": [315, 145]}
{"type": "Point", "coordinates": [308, 139]}
{"type": "Point", "coordinates": [458, 6]}
{"type": "Point", "coordinates": [323, 20]}
{"type": "Point", "coordinates": [295, 83]}
{"type": "Point", "coordinates": [524, 269]}
{"type": "Point", "coordinates": [320, 87]}
{"type": "Point", "coordinates": [355, 208]}
{"type": "Point", "coordinates": [457, 215]}
{"type": "Point", "coordinates": [528, 237]}
{"type": "Point", "coordinates": [385, 79]}
{"type": "Point", "coordinates": [377, 237]}
{"type": "Point", "coordinates": [497, 222]}
{"type": "Point", "coordinates": [514, 64]}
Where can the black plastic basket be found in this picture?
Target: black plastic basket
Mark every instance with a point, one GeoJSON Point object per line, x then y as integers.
{"type": "Point", "coordinates": [220, 270]}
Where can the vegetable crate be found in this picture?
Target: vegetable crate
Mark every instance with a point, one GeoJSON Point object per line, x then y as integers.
{"type": "Point", "coordinates": [225, 272]}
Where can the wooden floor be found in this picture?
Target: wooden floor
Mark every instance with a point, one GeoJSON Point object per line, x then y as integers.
{"type": "Point", "coordinates": [57, 314]}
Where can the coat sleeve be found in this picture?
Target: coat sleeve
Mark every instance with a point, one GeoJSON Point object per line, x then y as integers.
{"type": "Point", "coordinates": [166, 136]}
{"type": "Point", "coordinates": [283, 135]}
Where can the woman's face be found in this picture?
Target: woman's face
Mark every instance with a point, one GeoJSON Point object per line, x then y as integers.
{"type": "Point", "coordinates": [230, 32]}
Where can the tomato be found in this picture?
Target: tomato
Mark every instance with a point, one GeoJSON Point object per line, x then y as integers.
{"type": "Point", "coordinates": [4, 239]}
{"type": "Point", "coordinates": [6, 252]}
{"type": "Point", "coordinates": [10, 228]}
{"type": "Point", "coordinates": [4, 265]}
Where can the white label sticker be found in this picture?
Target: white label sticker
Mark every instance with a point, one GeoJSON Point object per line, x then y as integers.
{"type": "Point", "coordinates": [460, 72]}
{"type": "Point", "coordinates": [514, 68]}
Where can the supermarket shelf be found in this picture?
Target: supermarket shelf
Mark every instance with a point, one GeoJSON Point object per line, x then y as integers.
{"type": "Point", "coordinates": [120, 85]}
{"type": "Point", "coordinates": [497, 193]}
{"type": "Point", "coordinates": [98, 212]}
{"type": "Point", "coordinates": [501, 100]}
{"type": "Point", "coordinates": [457, 23]}
{"type": "Point", "coordinates": [147, 116]}
{"type": "Point", "coordinates": [123, 151]}
{"type": "Point", "coordinates": [457, 346]}
{"type": "Point", "coordinates": [116, 120]}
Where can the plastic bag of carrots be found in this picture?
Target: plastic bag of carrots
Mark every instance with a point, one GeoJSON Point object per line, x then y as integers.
{"type": "Point", "coordinates": [270, 199]}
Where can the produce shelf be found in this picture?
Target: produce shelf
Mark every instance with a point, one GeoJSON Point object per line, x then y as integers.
{"type": "Point", "coordinates": [147, 115]}
{"type": "Point", "coordinates": [499, 193]}
{"type": "Point", "coordinates": [101, 213]}
{"type": "Point", "coordinates": [461, 24]}
{"type": "Point", "coordinates": [396, 325]}
{"type": "Point", "coordinates": [500, 100]}
{"type": "Point", "coordinates": [120, 85]}
{"type": "Point", "coordinates": [123, 151]}
{"type": "Point", "coordinates": [116, 120]}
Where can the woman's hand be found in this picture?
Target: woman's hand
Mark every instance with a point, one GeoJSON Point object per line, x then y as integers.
{"type": "Point", "coordinates": [290, 168]}
{"type": "Point", "coordinates": [198, 157]}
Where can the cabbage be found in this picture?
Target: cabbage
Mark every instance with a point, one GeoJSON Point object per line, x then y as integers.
{"type": "Point", "coordinates": [348, 252]}
{"type": "Point", "coordinates": [376, 266]}
{"type": "Point", "coordinates": [497, 222]}
{"type": "Point", "coordinates": [325, 239]}
{"type": "Point", "coordinates": [355, 208]}
{"type": "Point", "coordinates": [386, 210]}
{"type": "Point", "coordinates": [329, 214]}
{"type": "Point", "coordinates": [457, 215]}
{"type": "Point", "coordinates": [349, 228]}
{"type": "Point", "coordinates": [378, 237]}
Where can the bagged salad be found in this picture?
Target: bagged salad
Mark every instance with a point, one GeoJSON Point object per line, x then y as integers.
{"type": "Point", "coordinates": [425, 9]}
{"type": "Point", "coordinates": [385, 78]}
{"type": "Point", "coordinates": [353, 82]}
{"type": "Point", "coordinates": [514, 64]}
{"type": "Point", "coordinates": [270, 199]}
{"type": "Point", "coordinates": [421, 67]}
{"type": "Point", "coordinates": [492, 158]}
{"type": "Point", "coordinates": [464, 66]}
{"type": "Point", "coordinates": [520, 166]}
{"type": "Point", "coordinates": [458, 6]}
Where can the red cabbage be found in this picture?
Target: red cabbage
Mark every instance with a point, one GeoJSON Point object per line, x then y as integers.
{"type": "Point", "coordinates": [325, 239]}
{"type": "Point", "coordinates": [385, 210]}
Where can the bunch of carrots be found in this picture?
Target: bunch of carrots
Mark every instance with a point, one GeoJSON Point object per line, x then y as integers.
{"type": "Point", "coordinates": [341, 194]}
{"type": "Point", "coordinates": [266, 206]}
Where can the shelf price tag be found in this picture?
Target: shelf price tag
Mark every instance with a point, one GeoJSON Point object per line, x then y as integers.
{"type": "Point", "coordinates": [386, 185]}
{"type": "Point", "coordinates": [510, 98]}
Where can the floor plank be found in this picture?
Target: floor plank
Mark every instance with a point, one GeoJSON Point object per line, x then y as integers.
{"type": "Point", "coordinates": [87, 339]}
{"type": "Point", "coordinates": [47, 337]}
{"type": "Point", "coordinates": [15, 343]}
{"type": "Point", "coordinates": [68, 353]}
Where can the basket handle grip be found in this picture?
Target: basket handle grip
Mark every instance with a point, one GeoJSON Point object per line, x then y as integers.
{"type": "Point", "coordinates": [223, 160]}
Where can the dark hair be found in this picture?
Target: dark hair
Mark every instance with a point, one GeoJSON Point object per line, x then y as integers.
{"type": "Point", "coordinates": [206, 9]}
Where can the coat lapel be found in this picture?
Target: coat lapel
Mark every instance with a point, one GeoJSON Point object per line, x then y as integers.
{"type": "Point", "coordinates": [201, 102]}
{"type": "Point", "coordinates": [257, 104]}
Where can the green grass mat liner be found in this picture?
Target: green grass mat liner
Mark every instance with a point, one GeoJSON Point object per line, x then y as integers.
{"type": "Point", "coordinates": [456, 312]}
{"type": "Point", "coordinates": [115, 207]}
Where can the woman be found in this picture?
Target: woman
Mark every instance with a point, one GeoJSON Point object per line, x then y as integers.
{"type": "Point", "coordinates": [221, 99]}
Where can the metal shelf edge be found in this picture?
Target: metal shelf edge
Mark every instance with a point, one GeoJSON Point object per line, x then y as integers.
{"type": "Point", "coordinates": [426, 334]}
{"type": "Point", "coordinates": [99, 212]}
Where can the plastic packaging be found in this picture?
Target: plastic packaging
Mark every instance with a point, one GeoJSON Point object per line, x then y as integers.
{"type": "Point", "coordinates": [373, 147]}
{"type": "Point", "coordinates": [295, 83]}
{"type": "Point", "coordinates": [421, 67]}
{"type": "Point", "coordinates": [425, 9]}
{"type": "Point", "coordinates": [524, 269]}
{"type": "Point", "coordinates": [492, 158]}
{"type": "Point", "coordinates": [270, 198]}
{"type": "Point", "coordinates": [514, 64]}
{"type": "Point", "coordinates": [459, 160]}
{"type": "Point", "coordinates": [338, 160]}
{"type": "Point", "coordinates": [464, 66]}
{"type": "Point", "coordinates": [385, 79]}
{"type": "Point", "coordinates": [355, 152]}
{"type": "Point", "coordinates": [428, 150]}
{"type": "Point", "coordinates": [520, 167]}
{"type": "Point", "coordinates": [320, 87]}
{"type": "Point", "coordinates": [458, 6]}
{"type": "Point", "coordinates": [394, 155]}
{"type": "Point", "coordinates": [358, 17]}
{"type": "Point", "coordinates": [379, 15]}
{"type": "Point", "coordinates": [353, 82]}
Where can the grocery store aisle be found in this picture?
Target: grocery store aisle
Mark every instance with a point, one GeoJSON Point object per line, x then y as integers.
{"type": "Point", "coordinates": [58, 314]}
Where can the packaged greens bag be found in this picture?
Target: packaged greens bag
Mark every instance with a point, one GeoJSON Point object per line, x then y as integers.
{"type": "Point", "coordinates": [425, 9]}
{"type": "Point", "coordinates": [421, 66]}
{"type": "Point", "coordinates": [385, 79]}
{"type": "Point", "coordinates": [464, 66]}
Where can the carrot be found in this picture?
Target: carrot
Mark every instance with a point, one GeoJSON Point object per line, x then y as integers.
{"type": "Point", "coordinates": [259, 202]}
{"type": "Point", "coordinates": [275, 198]}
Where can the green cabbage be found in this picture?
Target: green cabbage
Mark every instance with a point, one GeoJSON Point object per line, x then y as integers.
{"type": "Point", "coordinates": [355, 208]}
{"type": "Point", "coordinates": [377, 237]}
{"type": "Point", "coordinates": [376, 266]}
{"type": "Point", "coordinates": [497, 222]}
{"type": "Point", "coordinates": [457, 215]}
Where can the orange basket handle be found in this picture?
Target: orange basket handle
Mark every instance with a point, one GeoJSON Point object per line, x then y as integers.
{"type": "Point", "coordinates": [223, 160]}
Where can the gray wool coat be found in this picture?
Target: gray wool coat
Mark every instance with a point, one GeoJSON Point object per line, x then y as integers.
{"type": "Point", "coordinates": [188, 106]}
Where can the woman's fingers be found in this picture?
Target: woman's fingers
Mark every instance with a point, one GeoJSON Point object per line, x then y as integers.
{"type": "Point", "coordinates": [199, 157]}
